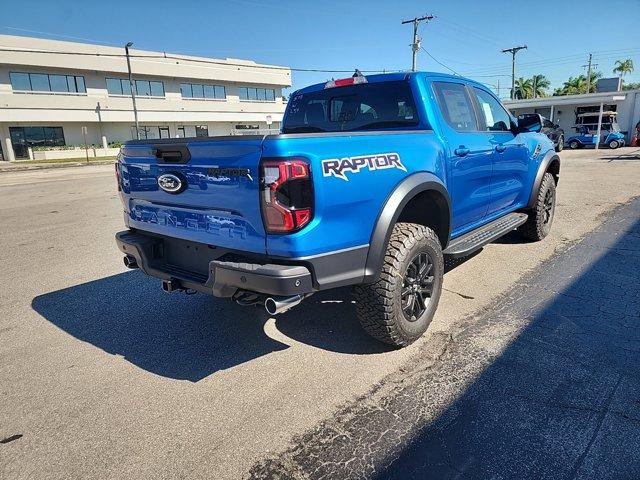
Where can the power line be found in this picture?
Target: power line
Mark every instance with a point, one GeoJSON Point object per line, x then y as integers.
{"type": "Point", "coordinates": [184, 59]}
{"type": "Point", "coordinates": [57, 35]}
{"type": "Point", "coordinates": [572, 59]}
{"type": "Point", "coordinates": [438, 61]}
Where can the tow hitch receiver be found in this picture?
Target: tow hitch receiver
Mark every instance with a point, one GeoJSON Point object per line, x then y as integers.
{"type": "Point", "coordinates": [171, 285]}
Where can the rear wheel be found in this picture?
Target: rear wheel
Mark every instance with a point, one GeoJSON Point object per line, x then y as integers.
{"type": "Point", "coordinates": [560, 144]}
{"type": "Point", "coordinates": [538, 225]}
{"type": "Point", "coordinates": [613, 144]}
{"type": "Point", "coordinates": [574, 144]}
{"type": "Point", "coordinates": [399, 306]}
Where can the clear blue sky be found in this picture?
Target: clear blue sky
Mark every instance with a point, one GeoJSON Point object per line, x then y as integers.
{"type": "Point", "coordinates": [467, 36]}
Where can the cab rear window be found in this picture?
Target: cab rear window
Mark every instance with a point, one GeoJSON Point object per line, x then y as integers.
{"type": "Point", "coordinates": [365, 106]}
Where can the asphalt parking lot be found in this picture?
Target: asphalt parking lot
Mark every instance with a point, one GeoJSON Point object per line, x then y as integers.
{"type": "Point", "coordinates": [102, 375]}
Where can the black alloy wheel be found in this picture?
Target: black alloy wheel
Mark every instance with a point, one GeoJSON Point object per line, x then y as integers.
{"type": "Point", "coordinates": [417, 286]}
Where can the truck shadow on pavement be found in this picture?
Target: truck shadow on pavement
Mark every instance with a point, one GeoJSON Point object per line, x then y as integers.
{"type": "Point", "coordinates": [562, 400]}
{"type": "Point", "coordinates": [190, 337]}
{"type": "Point", "coordinates": [543, 383]}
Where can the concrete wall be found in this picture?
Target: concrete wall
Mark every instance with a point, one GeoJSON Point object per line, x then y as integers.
{"type": "Point", "coordinates": [76, 153]}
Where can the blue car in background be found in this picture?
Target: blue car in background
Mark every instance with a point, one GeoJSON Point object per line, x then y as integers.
{"type": "Point", "coordinates": [372, 182]}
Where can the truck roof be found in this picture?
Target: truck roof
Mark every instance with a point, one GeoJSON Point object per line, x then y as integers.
{"type": "Point", "coordinates": [391, 77]}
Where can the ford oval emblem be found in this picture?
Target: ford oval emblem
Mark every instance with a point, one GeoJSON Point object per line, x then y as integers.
{"type": "Point", "coordinates": [171, 183]}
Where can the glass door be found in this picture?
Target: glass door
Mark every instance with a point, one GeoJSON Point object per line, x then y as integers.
{"type": "Point", "coordinates": [19, 142]}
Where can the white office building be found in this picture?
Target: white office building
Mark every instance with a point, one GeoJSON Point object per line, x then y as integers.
{"type": "Point", "coordinates": [54, 93]}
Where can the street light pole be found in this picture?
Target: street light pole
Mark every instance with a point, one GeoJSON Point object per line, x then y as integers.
{"type": "Point", "coordinates": [513, 52]}
{"type": "Point", "coordinates": [133, 95]}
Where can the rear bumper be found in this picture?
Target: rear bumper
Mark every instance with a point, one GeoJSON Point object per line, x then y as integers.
{"type": "Point", "coordinates": [222, 272]}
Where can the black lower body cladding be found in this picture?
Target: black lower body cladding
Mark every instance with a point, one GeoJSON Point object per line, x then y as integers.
{"type": "Point", "coordinates": [223, 272]}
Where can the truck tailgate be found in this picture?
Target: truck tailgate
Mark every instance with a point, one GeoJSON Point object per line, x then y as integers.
{"type": "Point", "coordinates": [217, 201]}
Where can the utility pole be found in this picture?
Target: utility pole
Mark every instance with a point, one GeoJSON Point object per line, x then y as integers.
{"type": "Point", "coordinates": [590, 66]}
{"type": "Point", "coordinates": [513, 52]}
{"type": "Point", "coordinates": [133, 94]}
{"type": "Point", "coordinates": [415, 46]}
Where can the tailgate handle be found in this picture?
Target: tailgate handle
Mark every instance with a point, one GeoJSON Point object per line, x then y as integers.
{"type": "Point", "coordinates": [173, 153]}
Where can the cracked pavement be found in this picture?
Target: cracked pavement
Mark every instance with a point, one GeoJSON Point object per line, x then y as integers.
{"type": "Point", "coordinates": [543, 383]}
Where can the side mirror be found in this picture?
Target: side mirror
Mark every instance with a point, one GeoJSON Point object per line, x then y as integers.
{"type": "Point", "coordinates": [530, 123]}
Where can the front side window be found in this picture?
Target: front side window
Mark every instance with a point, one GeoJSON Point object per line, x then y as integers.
{"type": "Point", "coordinates": [456, 107]}
{"type": "Point", "coordinates": [496, 118]}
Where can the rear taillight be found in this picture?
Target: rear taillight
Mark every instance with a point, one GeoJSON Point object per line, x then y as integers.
{"type": "Point", "coordinates": [117, 164]}
{"type": "Point", "coordinates": [286, 194]}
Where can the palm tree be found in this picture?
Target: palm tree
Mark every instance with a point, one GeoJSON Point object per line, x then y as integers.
{"type": "Point", "coordinates": [523, 88]}
{"type": "Point", "coordinates": [623, 67]}
{"type": "Point", "coordinates": [573, 86]}
{"type": "Point", "coordinates": [577, 85]}
{"type": "Point", "coordinates": [539, 85]}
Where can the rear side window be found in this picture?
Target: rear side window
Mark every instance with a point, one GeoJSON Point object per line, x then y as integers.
{"type": "Point", "coordinates": [365, 106]}
{"type": "Point", "coordinates": [456, 107]}
{"type": "Point", "coordinates": [496, 118]}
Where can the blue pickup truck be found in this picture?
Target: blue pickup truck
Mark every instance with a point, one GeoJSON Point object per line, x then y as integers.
{"type": "Point", "coordinates": [372, 183]}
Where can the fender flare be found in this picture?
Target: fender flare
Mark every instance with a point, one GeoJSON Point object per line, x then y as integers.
{"type": "Point", "coordinates": [403, 193]}
{"type": "Point", "coordinates": [549, 157]}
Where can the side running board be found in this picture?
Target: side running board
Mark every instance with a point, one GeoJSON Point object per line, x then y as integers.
{"type": "Point", "coordinates": [476, 239]}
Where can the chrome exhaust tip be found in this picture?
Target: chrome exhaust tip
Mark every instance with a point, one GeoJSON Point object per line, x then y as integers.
{"type": "Point", "coordinates": [130, 262]}
{"type": "Point", "coordinates": [277, 305]}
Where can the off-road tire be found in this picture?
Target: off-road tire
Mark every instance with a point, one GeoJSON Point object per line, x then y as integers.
{"type": "Point", "coordinates": [538, 225]}
{"type": "Point", "coordinates": [379, 305]}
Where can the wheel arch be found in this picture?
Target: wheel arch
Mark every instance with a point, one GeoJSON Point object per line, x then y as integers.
{"type": "Point", "coordinates": [550, 163]}
{"type": "Point", "coordinates": [420, 198]}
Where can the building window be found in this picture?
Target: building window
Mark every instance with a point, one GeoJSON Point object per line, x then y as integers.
{"type": "Point", "coordinates": [24, 137]}
{"type": "Point", "coordinates": [43, 82]}
{"type": "Point", "coordinates": [197, 90]}
{"type": "Point", "coordinates": [257, 94]}
{"type": "Point", "coordinates": [150, 132]}
{"type": "Point", "coordinates": [190, 131]}
{"type": "Point", "coordinates": [144, 88]}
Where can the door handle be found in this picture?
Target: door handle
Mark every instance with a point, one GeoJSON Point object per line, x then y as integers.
{"type": "Point", "coordinates": [461, 151]}
{"type": "Point", "coordinates": [500, 148]}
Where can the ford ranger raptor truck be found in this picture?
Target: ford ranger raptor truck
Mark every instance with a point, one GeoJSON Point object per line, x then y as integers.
{"type": "Point", "coordinates": [370, 184]}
